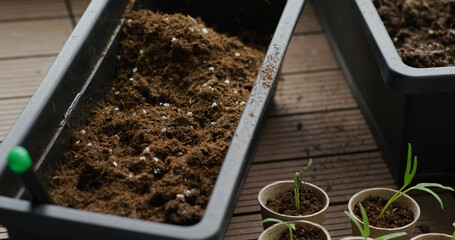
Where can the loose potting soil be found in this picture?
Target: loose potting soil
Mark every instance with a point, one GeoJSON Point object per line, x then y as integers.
{"type": "Point", "coordinates": [395, 216]}
{"type": "Point", "coordinates": [423, 31]}
{"type": "Point", "coordinates": [306, 232]}
{"type": "Point", "coordinates": [153, 148]}
{"type": "Point", "coordinates": [285, 203]}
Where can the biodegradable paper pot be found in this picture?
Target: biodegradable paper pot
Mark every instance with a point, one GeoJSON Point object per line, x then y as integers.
{"type": "Point", "coordinates": [400, 103]}
{"type": "Point", "coordinates": [432, 236]}
{"type": "Point", "coordinates": [275, 232]}
{"type": "Point", "coordinates": [385, 193]}
{"type": "Point", "coordinates": [78, 78]}
{"type": "Point", "coordinates": [275, 189]}
{"type": "Point", "coordinates": [355, 238]}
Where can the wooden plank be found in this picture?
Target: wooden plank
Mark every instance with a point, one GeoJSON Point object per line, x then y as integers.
{"type": "Point", "coordinates": [21, 77]}
{"type": "Point", "coordinates": [31, 38]}
{"type": "Point", "coordinates": [311, 92]}
{"type": "Point", "coordinates": [308, 21]}
{"type": "Point", "coordinates": [79, 6]}
{"type": "Point", "coordinates": [32, 9]}
{"type": "Point", "coordinates": [10, 110]}
{"type": "Point", "coordinates": [306, 135]}
{"type": "Point", "coordinates": [308, 53]}
{"type": "Point", "coordinates": [339, 176]}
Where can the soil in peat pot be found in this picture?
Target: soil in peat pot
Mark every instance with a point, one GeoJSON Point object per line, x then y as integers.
{"type": "Point", "coordinates": [153, 148]}
{"type": "Point", "coordinates": [285, 203]}
{"type": "Point", "coordinates": [395, 215]}
{"type": "Point", "coordinates": [423, 31]}
{"type": "Point", "coordinates": [304, 232]}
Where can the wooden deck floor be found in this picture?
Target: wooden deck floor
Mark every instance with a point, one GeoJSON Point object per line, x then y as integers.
{"type": "Point", "coordinates": [315, 115]}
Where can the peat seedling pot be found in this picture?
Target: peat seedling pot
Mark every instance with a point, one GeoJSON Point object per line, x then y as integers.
{"type": "Point", "coordinates": [355, 238]}
{"type": "Point", "coordinates": [78, 79]}
{"type": "Point", "coordinates": [276, 189]}
{"type": "Point", "coordinates": [432, 236]}
{"type": "Point", "coordinates": [401, 103]}
{"type": "Point", "coordinates": [277, 230]}
{"type": "Point", "coordinates": [385, 193]}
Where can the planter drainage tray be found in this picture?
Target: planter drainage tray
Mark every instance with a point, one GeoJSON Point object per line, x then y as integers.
{"type": "Point", "coordinates": [402, 104]}
{"type": "Point", "coordinates": [79, 77]}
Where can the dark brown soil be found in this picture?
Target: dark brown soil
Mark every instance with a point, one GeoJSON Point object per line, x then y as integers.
{"type": "Point", "coordinates": [305, 232]}
{"type": "Point", "coordinates": [285, 203]}
{"type": "Point", "coordinates": [423, 31]}
{"type": "Point", "coordinates": [153, 148]}
{"type": "Point", "coordinates": [395, 215]}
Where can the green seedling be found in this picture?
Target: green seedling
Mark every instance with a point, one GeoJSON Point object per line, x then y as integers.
{"type": "Point", "coordinates": [365, 231]}
{"type": "Point", "coordinates": [453, 235]}
{"type": "Point", "coordinates": [298, 182]}
{"type": "Point", "coordinates": [291, 226]}
{"type": "Point", "coordinates": [408, 176]}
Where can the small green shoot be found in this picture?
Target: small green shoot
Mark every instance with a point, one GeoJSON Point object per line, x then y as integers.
{"type": "Point", "coordinates": [365, 231]}
{"type": "Point", "coordinates": [291, 226]}
{"type": "Point", "coordinates": [408, 176]}
{"type": "Point", "coordinates": [453, 236]}
{"type": "Point", "coordinates": [298, 182]}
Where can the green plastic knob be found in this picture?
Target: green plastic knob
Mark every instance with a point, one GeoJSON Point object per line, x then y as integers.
{"type": "Point", "coordinates": [19, 160]}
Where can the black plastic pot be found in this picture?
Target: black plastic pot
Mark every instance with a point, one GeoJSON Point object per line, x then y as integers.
{"type": "Point", "coordinates": [79, 77]}
{"type": "Point", "coordinates": [402, 104]}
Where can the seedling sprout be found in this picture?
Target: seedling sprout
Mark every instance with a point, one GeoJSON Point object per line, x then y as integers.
{"type": "Point", "coordinates": [453, 236]}
{"type": "Point", "coordinates": [408, 176]}
{"type": "Point", "coordinates": [365, 231]}
{"type": "Point", "coordinates": [291, 226]}
{"type": "Point", "coordinates": [298, 182]}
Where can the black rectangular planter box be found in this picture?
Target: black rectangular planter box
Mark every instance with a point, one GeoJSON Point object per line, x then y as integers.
{"type": "Point", "coordinates": [402, 104]}
{"type": "Point", "coordinates": [79, 77]}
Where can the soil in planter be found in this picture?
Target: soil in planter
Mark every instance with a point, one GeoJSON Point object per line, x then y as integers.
{"type": "Point", "coordinates": [395, 215]}
{"type": "Point", "coordinates": [423, 31]}
{"type": "Point", "coordinates": [285, 203]}
{"type": "Point", "coordinates": [153, 148]}
{"type": "Point", "coordinates": [305, 232]}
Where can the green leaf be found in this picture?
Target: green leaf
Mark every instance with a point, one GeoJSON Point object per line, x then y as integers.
{"type": "Point", "coordinates": [291, 226]}
{"type": "Point", "coordinates": [408, 174]}
{"type": "Point", "coordinates": [453, 236]}
{"type": "Point", "coordinates": [423, 187]}
{"type": "Point", "coordinates": [390, 236]}
{"type": "Point", "coordinates": [366, 227]}
{"type": "Point", "coordinates": [356, 222]}
{"type": "Point", "coordinates": [297, 179]}
{"type": "Point", "coordinates": [309, 164]}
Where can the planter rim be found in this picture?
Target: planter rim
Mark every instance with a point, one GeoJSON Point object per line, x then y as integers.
{"type": "Point", "coordinates": [430, 235]}
{"type": "Point", "coordinates": [303, 183]}
{"type": "Point", "coordinates": [396, 73]}
{"type": "Point", "coordinates": [416, 218]}
{"type": "Point", "coordinates": [271, 228]}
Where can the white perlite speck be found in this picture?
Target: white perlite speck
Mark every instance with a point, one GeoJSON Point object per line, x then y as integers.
{"type": "Point", "coordinates": [242, 103]}
{"type": "Point", "coordinates": [204, 85]}
{"type": "Point", "coordinates": [78, 141]}
{"type": "Point", "coordinates": [118, 138]}
{"type": "Point", "coordinates": [156, 171]}
{"type": "Point", "coordinates": [235, 92]}
{"type": "Point", "coordinates": [214, 104]}
{"type": "Point", "coordinates": [180, 195]}
{"type": "Point", "coordinates": [131, 79]}
{"type": "Point", "coordinates": [211, 69]}
{"type": "Point", "coordinates": [164, 117]}
{"type": "Point", "coordinates": [187, 193]}
{"type": "Point", "coordinates": [130, 176]}
{"type": "Point", "coordinates": [141, 52]}
{"type": "Point", "coordinates": [115, 164]}
{"type": "Point", "coordinates": [83, 131]}
{"type": "Point", "coordinates": [191, 29]}
{"type": "Point", "coordinates": [189, 114]}
{"type": "Point", "coordinates": [227, 81]}
{"type": "Point", "coordinates": [174, 40]}
{"type": "Point", "coordinates": [155, 159]}
{"type": "Point", "coordinates": [237, 54]}
{"type": "Point", "coordinates": [146, 150]}
{"type": "Point", "coordinates": [118, 57]}
{"type": "Point", "coordinates": [163, 130]}
{"type": "Point", "coordinates": [145, 112]}
{"type": "Point", "coordinates": [213, 123]}
{"type": "Point", "coordinates": [166, 104]}
{"type": "Point", "coordinates": [179, 154]}
{"type": "Point", "coordinates": [142, 158]}
{"type": "Point", "coordinates": [117, 93]}
{"type": "Point", "coordinates": [89, 144]}
{"type": "Point", "coordinates": [129, 20]}
{"type": "Point", "coordinates": [135, 70]}
{"type": "Point", "coordinates": [110, 149]}
{"type": "Point", "coordinates": [204, 30]}
{"type": "Point", "coordinates": [116, 109]}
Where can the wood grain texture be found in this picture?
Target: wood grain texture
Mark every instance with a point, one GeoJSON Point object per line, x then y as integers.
{"type": "Point", "coordinates": [32, 38]}
{"type": "Point", "coordinates": [32, 9]}
{"type": "Point", "coordinates": [10, 110]}
{"type": "Point", "coordinates": [325, 133]}
{"type": "Point", "coordinates": [21, 77]}
{"type": "Point", "coordinates": [79, 6]}
{"type": "Point", "coordinates": [312, 92]}
{"type": "Point", "coordinates": [308, 53]}
{"type": "Point", "coordinates": [308, 21]}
